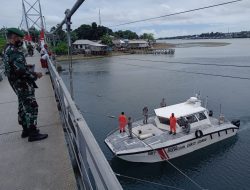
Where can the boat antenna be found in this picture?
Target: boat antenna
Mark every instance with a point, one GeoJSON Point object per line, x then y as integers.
{"type": "Point", "coordinates": [221, 117]}
{"type": "Point", "coordinates": [206, 102]}
{"type": "Point", "coordinates": [220, 109]}
{"type": "Point", "coordinates": [199, 95]}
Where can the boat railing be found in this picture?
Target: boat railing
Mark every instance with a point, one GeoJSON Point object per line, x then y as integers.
{"type": "Point", "coordinates": [223, 119]}
{"type": "Point", "coordinates": [112, 132]}
{"type": "Point", "coordinates": [135, 123]}
{"type": "Point", "coordinates": [87, 157]}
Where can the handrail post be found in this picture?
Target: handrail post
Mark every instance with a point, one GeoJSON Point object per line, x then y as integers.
{"type": "Point", "coordinates": [68, 28]}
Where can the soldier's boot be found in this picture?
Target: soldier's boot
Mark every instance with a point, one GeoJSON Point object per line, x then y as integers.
{"type": "Point", "coordinates": [35, 135]}
{"type": "Point", "coordinates": [25, 132]}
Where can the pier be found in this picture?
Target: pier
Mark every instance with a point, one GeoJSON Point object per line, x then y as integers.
{"type": "Point", "coordinates": [168, 51]}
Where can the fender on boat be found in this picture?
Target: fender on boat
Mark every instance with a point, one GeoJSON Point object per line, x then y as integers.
{"type": "Point", "coordinates": [198, 134]}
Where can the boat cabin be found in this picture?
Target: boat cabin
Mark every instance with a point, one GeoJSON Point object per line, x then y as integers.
{"type": "Point", "coordinates": [191, 110]}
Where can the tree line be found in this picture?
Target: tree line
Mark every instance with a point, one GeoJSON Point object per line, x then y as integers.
{"type": "Point", "coordinates": [91, 32]}
{"type": "Point", "coordinates": [96, 32]}
{"type": "Point", "coordinates": [213, 35]}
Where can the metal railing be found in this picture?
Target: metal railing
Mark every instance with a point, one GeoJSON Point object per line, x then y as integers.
{"type": "Point", "coordinates": [91, 163]}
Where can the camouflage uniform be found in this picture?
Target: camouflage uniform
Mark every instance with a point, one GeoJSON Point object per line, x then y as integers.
{"type": "Point", "coordinates": [23, 83]}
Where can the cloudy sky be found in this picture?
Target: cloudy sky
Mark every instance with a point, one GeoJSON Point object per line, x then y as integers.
{"type": "Point", "coordinates": [232, 17]}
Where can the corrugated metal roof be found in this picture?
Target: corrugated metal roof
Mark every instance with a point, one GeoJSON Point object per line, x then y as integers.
{"type": "Point", "coordinates": [87, 42]}
{"type": "Point", "coordinates": [118, 41]}
{"type": "Point", "coordinates": [137, 42]}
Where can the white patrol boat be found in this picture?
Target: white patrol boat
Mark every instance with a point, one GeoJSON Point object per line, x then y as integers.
{"type": "Point", "coordinates": [152, 142]}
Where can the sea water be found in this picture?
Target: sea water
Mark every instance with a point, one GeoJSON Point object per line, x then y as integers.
{"type": "Point", "coordinates": [105, 87]}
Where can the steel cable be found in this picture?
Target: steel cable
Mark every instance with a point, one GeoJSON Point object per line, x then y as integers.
{"type": "Point", "coordinates": [154, 183]}
{"type": "Point", "coordinates": [195, 183]}
{"type": "Point", "coordinates": [177, 13]}
{"type": "Point", "coordinates": [189, 72]}
{"type": "Point", "coordinates": [187, 63]}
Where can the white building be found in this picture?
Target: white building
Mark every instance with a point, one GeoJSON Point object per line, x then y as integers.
{"type": "Point", "coordinates": [138, 44]}
{"type": "Point", "coordinates": [119, 43]}
{"type": "Point", "coordinates": [88, 45]}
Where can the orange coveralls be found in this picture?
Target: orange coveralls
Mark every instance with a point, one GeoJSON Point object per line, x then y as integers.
{"type": "Point", "coordinates": [123, 122]}
{"type": "Point", "coordinates": [173, 124]}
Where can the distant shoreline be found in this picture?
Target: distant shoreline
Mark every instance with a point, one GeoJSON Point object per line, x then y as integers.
{"type": "Point", "coordinates": [84, 57]}
{"type": "Point", "coordinates": [202, 44]}
{"type": "Point", "coordinates": [114, 53]}
{"type": "Point", "coordinates": [156, 46]}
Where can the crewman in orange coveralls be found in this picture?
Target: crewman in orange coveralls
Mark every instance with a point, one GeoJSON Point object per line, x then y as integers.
{"type": "Point", "coordinates": [172, 124]}
{"type": "Point", "coordinates": [122, 122]}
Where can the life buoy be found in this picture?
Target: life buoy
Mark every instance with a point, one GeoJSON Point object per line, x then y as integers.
{"type": "Point", "coordinates": [198, 134]}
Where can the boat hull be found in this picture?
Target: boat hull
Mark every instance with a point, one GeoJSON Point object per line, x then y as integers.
{"type": "Point", "coordinates": [180, 149]}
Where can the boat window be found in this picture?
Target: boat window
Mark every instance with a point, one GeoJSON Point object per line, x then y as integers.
{"type": "Point", "coordinates": [164, 120]}
{"type": "Point", "coordinates": [181, 121]}
{"type": "Point", "coordinates": [191, 119]}
{"type": "Point", "coordinates": [201, 116]}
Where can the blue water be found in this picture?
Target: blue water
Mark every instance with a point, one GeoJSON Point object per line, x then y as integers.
{"type": "Point", "coordinates": [107, 86]}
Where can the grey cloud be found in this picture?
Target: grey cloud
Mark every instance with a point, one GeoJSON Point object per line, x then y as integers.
{"type": "Point", "coordinates": [115, 12]}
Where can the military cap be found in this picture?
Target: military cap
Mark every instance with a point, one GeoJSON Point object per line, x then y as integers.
{"type": "Point", "coordinates": [15, 31]}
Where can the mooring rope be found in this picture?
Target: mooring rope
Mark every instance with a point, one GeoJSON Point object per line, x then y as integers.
{"type": "Point", "coordinates": [143, 180]}
{"type": "Point", "coordinates": [195, 183]}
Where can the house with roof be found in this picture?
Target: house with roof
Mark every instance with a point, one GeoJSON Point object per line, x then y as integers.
{"type": "Point", "coordinates": [90, 47]}
{"type": "Point", "coordinates": [138, 44]}
{"type": "Point", "coordinates": [119, 43]}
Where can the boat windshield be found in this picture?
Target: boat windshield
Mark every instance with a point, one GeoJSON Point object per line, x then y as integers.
{"type": "Point", "coordinates": [164, 120]}
{"type": "Point", "coordinates": [201, 116]}
{"type": "Point", "coordinates": [191, 119]}
{"type": "Point", "coordinates": [181, 121]}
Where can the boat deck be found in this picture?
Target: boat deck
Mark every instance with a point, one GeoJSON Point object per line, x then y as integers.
{"type": "Point", "coordinates": [122, 142]}
{"type": "Point", "coordinates": [33, 165]}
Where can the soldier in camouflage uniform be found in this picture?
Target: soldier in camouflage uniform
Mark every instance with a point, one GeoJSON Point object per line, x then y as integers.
{"type": "Point", "coordinates": [23, 83]}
